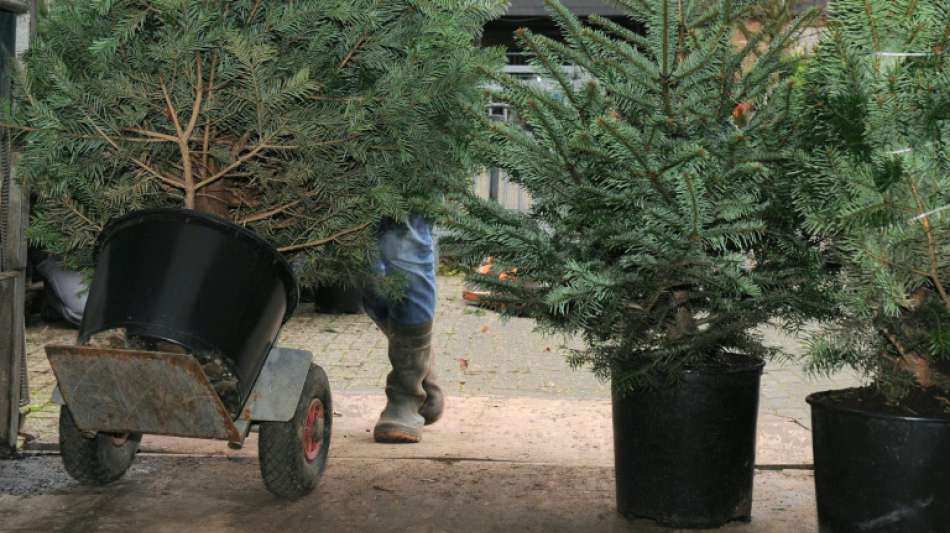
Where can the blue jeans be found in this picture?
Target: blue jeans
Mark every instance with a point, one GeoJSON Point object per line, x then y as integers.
{"type": "Point", "coordinates": [406, 250]}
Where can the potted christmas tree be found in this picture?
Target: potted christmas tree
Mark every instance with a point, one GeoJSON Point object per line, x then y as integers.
{"type": "Point", "coordinates": [875, 184]}
{"type": "Point", "coordinates": [306, 122]}
{"type": "Point", "coordinates": [650, 168]}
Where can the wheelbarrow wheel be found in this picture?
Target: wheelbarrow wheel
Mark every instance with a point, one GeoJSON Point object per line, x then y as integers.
{"type": "Point", "coordinates": [293, 454]}
{"type": "Point", "coordinates": [95, 460]}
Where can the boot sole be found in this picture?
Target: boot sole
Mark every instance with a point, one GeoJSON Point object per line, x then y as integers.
{"type": "Point", "coordinates": [391, 435]}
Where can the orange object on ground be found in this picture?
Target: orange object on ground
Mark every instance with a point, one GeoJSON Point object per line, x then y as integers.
{"type": "Point", "coordinates": [476, 296]}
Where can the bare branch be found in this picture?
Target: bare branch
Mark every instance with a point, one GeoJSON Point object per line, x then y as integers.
{"type": "Point", "coordinates": [267, 214]}
{"type": "Point", "coordinates": [143, 165]}
{"type": "Point", "coordinates": [226, 170]}
{"type": "Point", "coordinates": [153, 134]}
{"type": "Point", "coordinates": [328, 240]}
{"type": "Point", "coordinates": [199, 96]}
{"type": "Point", "coordinates": [170, 109]}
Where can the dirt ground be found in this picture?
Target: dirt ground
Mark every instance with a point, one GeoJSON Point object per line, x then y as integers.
{"type": "Point", "coordinates": [217, 494]}
{"type": "Point", "coordinates": [492, 465]}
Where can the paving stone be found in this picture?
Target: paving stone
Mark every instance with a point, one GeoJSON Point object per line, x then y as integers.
{"type": "Point", "coordinates": [477, 354]}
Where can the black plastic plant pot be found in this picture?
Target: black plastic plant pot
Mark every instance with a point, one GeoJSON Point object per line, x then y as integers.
{"type": "Point", "coordinates": [194, 280]}
{"type": "Point", "coordinates": [879, 473]}
{"type": "Point", "coordinates": [685, 456]}
{"type": "Point", "coordinates": [338, 300]}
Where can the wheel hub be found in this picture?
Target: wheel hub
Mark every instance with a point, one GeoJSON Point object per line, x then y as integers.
{"type": "Point", "coordinates": [119, 439]}
{"type": "Point", "coordinates": [313, 430]}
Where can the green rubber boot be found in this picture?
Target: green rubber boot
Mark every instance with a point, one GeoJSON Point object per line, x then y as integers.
{"type": "Point", "coordinates": [432, 408]}
{"type": "Point", "coordinates": [434, 404]}
{"type": "Point", "coordinates": [410, 353]}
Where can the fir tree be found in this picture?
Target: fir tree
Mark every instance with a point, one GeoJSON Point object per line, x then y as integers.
{"type": "Point", "coordinates": [308, 121]}
{"type": "Point", "coordinates": [650, 175]}
{"type": "Point", "coordinates": [874, 110]}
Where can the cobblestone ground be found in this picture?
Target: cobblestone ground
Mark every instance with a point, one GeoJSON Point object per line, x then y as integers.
{"type": "Point", "coordinates": [478, 354]}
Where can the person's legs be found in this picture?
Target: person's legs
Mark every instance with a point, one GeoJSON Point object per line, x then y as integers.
{"type": "Point", "coordinates": [413, 398]}
{"type": "Point", "coordinates": [66, 289]}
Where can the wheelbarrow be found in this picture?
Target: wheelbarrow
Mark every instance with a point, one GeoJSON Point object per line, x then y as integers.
{"type": "Point", "coordinates": [174, 284]}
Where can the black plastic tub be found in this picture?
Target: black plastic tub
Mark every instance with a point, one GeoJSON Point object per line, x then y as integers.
{"type": "Point", "coordinates": [685, 456]}
{"type": "Point", "coordinates": [194, 280]}
{"type": "Point", "coordinates": [879, 473]}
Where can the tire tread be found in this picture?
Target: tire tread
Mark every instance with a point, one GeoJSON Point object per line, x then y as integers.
{"type": "Point", "coordinates": [284, 469]}
{"type": "Point", "coordinates": [81, 456]}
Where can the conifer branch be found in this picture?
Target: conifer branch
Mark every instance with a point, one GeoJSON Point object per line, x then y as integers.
{"type": "Point", "coordinates": [918, 366]}
{"type": "Point", "coordinates": [892, 264]}
{"type": "Point", "coordinates": [154, 135]}
{"type": "Point", "coordinates": [349, 56]}
{"type": "Point", "coordinates": [871, 19]}
{"type": "Point", "coordinates": [634, 151]}
{"type": "Point", "coordinates": [942, 43]}
{"type": "Point", "coordinates": [931, 244]}
{"type": "Point", "coordinates": [320, 242]}
{"type": "Point", "coordinates": [205, 144]}
{"type": "Point", "coordinates": [554, 70]}
{"type": "Point", "coordinates": [170, 110]}
{"type": "Point", "coordinates": [71, 205]}
{"type": "Point", "coordinates": [253, 13]}
{"type": "Point", "coordinates": [199, 96]}
{"type": "Point", "coordinates": [627, 35]}
{"type": "Point", "coordinates": [227, 170]}
{"type": "Point", "coordinates": [184, 133]}
{"type": "Point", "coordinates": [269, 213]}
{"type": "Point", "coordinates": [665, 71]}
{"type": "Point", "coordinates": [559, 148]}
{"type": "Point", "coordinates": [71, 135]}
{"type": "Point", "coordinates": [143, 165]}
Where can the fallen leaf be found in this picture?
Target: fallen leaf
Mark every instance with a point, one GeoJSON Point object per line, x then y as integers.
{"type": "Point", "coordinates": [485, 329]}
{"type": "Point", "coordinates": [463, 363]}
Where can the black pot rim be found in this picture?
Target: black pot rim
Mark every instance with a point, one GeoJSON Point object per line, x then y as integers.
{"type": "Point", "coordinates": [753, 365]}
{"type": "Point", "coordinates": [189, 216]}
{"type": "Point", "coordinates": [824, 399]}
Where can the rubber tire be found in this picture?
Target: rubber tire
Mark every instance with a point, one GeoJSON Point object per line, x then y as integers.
{"type": "Point", "coordinates": [284, 467]}
{"type": "Point", "coordinates": [94, 461]}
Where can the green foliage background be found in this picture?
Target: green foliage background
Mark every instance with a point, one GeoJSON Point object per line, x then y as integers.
{"type": "Point", "coordinates": [323, 117]}
{"type": "Point", "coordinates": [874, 123]}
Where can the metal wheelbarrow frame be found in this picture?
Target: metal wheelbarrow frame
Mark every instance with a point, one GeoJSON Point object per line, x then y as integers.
{"type": "Point", "coordinates": [183, 281]}
{"type": "Point", "coordinates": [113, 396]}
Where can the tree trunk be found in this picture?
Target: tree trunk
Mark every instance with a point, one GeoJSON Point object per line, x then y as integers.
{"type": "Point", "coordinates": [215, 199]}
